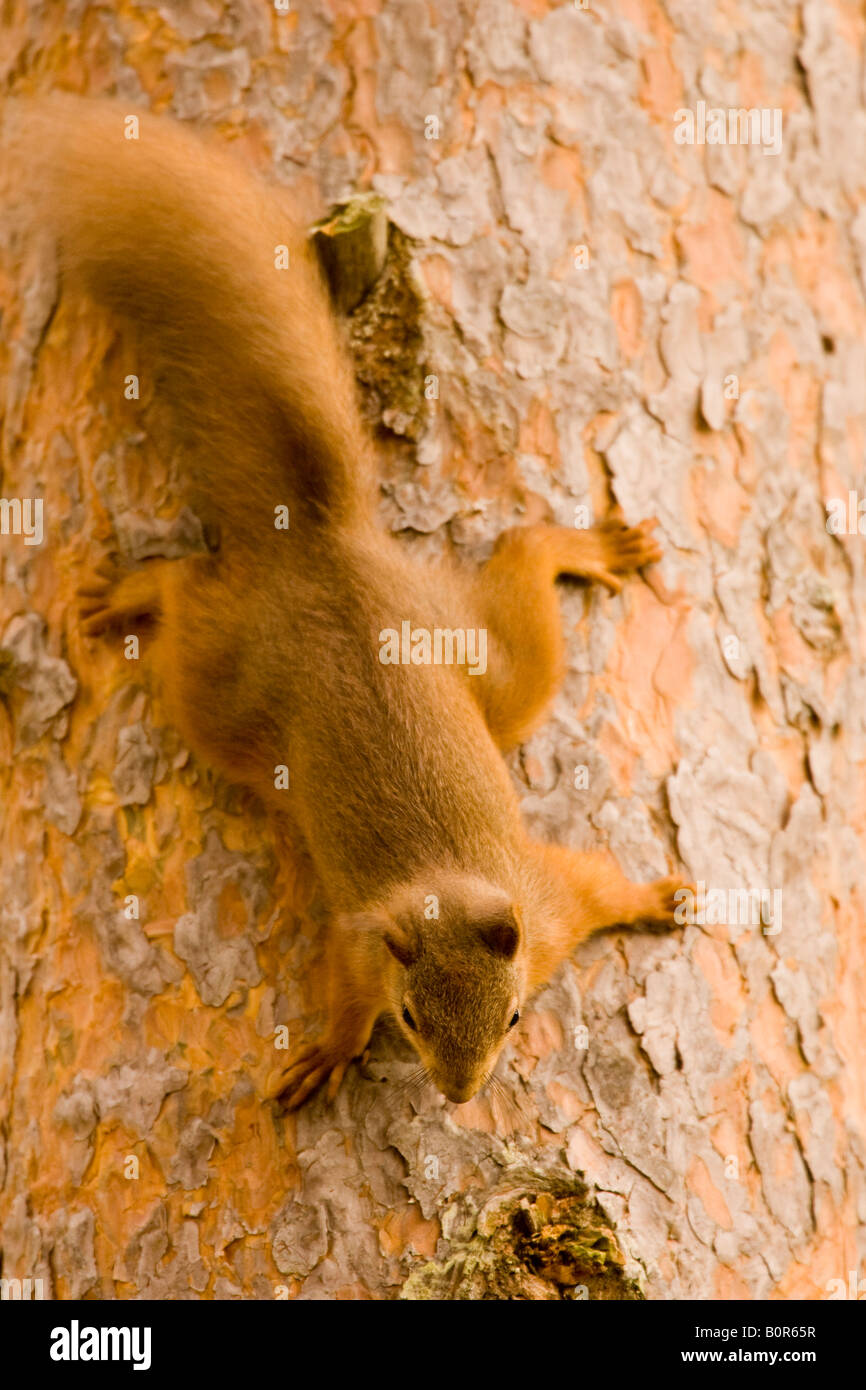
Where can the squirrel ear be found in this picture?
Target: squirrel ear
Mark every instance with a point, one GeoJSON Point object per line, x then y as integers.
{"type": "Point", "coordinates": [398, 933]}
{"type": "Point", "coordinates": [501, 934]}
{"type": "Point", "coordinates": [401, 942]}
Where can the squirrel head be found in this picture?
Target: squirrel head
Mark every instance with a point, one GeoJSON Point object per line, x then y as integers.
{"type": "Point", "coordinates": [455, 976]}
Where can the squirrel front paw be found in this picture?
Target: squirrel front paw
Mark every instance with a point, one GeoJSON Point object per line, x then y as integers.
{"type": "Point", "coordinates": [308, 1067]}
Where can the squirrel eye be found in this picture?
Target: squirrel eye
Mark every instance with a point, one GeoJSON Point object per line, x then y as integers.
{"type": "Point", "coordinates": [409, 1020]}
{"type": "Point", "coordinates": [515, 1019]}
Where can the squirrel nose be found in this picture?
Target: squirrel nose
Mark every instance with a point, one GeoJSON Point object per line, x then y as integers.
{"type": "Point", "coordinates": [459, 1094]}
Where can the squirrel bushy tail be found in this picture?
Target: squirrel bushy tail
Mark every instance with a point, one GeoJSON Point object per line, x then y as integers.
{"type": "Point", "coordinates": [173, 232]}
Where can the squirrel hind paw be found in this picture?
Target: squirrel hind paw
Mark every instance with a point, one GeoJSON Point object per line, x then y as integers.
{"type": "Point", "coordinates": [95, 609]}
{"type": "Point", "coordinates": [111, 596]}
{"type": "Point", "coordinates": [664, 900]}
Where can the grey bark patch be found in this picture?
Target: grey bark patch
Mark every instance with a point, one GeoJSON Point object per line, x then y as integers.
{"type": "Point", "coordinates": [299, 1238]}
{"type": "Point", "coordinates": [784, 1179]}
{"type": "Point", "coordinates": [74, 1254]}
{"type": "Point", "coordinates": [77, 1108]}
{"type": "Point", "coordinates": [138, 1262]}
{"type": "Point", "coordinates": [194, 97]}
{"type": "Point", "coordinates": [27, 1245]}
{"type": "Point", "coordinates": [125, 948]}
{"type": "Point", "coordinates": [816, 1129]}
{"type": "Point", "coordinates": [158, 1268]}
{"type": "Point", "coordinates": [142, 536]}
{"type": "Point", "coordinates": [134, 1091]}
{"type": "Point", "coordinates": [497, 45]}
{"type": "Point", "coordinates": [627, 1105]}
{"type": "Point", "coordinates": [220, 964]}
{"type": "Point", "coordinates": [48, 684]}
{"type": "Point", "coordinates": [132, 776]}
{"type": "Point", "coordinates": [61, 802]}
{"type": "Point", "coordinates": [195, 1145]}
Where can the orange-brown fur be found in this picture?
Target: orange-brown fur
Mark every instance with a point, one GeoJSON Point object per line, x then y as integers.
{"type": "Point", "coordinates": [442, 907]}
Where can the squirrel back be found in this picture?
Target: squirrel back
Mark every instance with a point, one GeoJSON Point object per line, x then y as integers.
{"type": "Point", "coordinates": [171, 231]}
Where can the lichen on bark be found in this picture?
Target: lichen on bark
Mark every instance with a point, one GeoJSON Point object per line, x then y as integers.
{"type": "Point", "coordinates": [539, 1239]}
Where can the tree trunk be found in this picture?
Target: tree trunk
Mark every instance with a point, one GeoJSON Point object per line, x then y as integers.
{"type": "Point", "coordinates": [576, 308]}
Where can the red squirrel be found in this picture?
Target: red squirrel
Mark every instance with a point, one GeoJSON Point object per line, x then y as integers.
{"type": "Point", "coordinates": [273, 651]}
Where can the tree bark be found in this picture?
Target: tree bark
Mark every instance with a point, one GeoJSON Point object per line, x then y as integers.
{"type": "Point", "coordinates": [684, 1114]}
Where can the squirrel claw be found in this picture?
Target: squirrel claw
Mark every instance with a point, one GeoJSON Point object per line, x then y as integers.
{"type": "Point", "coordinates": [95, 608]}
{"type": "Point", "coordinates": [307, 1070]}
{"type": "Point", "coordinates": [663, 901]}
{"type": "Point", "coordinates": [627, 547]}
